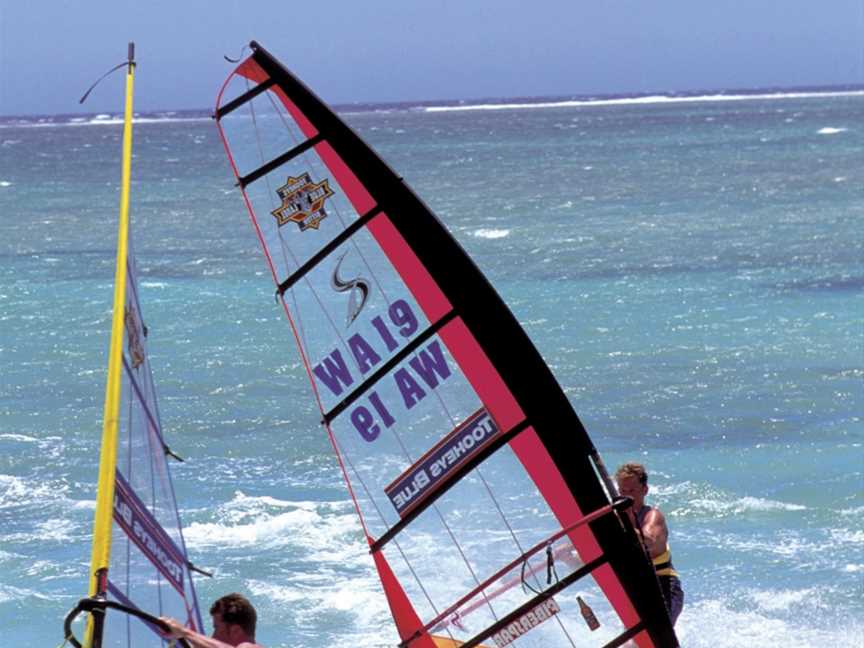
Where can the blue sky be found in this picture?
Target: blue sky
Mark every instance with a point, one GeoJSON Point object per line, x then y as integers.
{"type": "Point", "coordinates": [391, 50]}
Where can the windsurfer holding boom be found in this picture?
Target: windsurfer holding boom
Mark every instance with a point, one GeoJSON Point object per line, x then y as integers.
{"type": "Point", "coordinates": [633, 482]}
{"type": "Point", "coordinates": [234, 621]}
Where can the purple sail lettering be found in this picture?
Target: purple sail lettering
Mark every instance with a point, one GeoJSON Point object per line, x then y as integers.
{"type": "Point", "coordinates": [332, 371]}
{"type": "Point", "coordinates": [403, 317]}
{"type": "Point", "coordinates": [384, 332]}
{"type": "Point", "coordinates": [364, 422]}
{"type": "Point", "coordinates": [381, 409]}
{"type": "Point", "coordinates": [427, 365]}
{"type": "Point", "coordinates": [409, 388]}
{"type": "Point", "coordinates": [363, 353]}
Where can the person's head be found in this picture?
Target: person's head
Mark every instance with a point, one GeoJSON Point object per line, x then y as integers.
{"type": "Point", "coordinates": [633, 482]}
{"type": "Point", "coordinates": [234, 619]}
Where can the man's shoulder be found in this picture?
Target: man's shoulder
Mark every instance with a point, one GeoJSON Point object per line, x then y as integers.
{"type": "Point", "coordinates": [654, 516]}
{"type": "Point", "coordinates": [247, 644]}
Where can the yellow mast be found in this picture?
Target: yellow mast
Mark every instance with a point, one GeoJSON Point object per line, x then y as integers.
{"type": "Point", "coordinates": [101, 552]}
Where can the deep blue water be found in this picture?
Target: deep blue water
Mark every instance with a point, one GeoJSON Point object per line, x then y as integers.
{"type": "Point", "coordinates": [693, 273]}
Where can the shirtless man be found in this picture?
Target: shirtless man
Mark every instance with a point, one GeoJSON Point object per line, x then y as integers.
{"type": "Point", "coordinates": [234, 621]}
{"type": "Point", "coordinates": [633, 482]}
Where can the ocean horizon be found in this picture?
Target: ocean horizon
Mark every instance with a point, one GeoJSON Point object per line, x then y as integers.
{"type": "Point", "coordinates": [480, 103]}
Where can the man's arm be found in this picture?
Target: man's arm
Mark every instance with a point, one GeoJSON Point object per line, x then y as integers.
{"type": "Point", "coordinates": [195, 639]}
{"type": "Point", "coordinates": [655, 533]}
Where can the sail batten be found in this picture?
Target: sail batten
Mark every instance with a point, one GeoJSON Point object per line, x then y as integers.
{"type": "Point", "coordinates": [462, 447]}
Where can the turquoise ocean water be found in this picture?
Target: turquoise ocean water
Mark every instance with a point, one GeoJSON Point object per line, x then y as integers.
{"type": "Point", "coordinates": [692, 271]}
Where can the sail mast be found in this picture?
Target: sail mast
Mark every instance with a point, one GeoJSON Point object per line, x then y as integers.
{"type": "Point", "coordinates": [101, 551]}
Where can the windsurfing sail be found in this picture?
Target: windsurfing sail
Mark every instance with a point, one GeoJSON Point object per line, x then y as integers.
{"type": "Point", "coordinates": [488, 514]}
{"type": "Point", "coordinates": [139, 566]}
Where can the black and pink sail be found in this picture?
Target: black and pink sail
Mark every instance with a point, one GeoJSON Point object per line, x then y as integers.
{"type": "Point", "coordinates": [476, 484]}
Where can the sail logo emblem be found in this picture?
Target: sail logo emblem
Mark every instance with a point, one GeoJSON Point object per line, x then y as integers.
{"type": "Point", "coordinates": [358, 287]}
{"type": "Point", "coordinates": [302, 202]}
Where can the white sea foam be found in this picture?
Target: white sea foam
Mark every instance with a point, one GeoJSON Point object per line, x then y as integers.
{"type": "Point", "coordinates": [779, 600]}
{"type": "Point", "coordinates": [103, 120]}
{"type": "Point", "coordinates": [12, 593]}
{"type": "Point", "coordinates": [722, 507]}
{"type": "Point", "coordinates": [853, 537]}
{"type": "Point", "coordinates": [252, 521]}
{"type": "Point", "coordinates": [491, 233]}
{"type": "Point", "coordinates": [17, 437]}
{"type": "Point", "coordinates": [726, 623]}
{"type": "Point", "coordinates": [361, 594]}
{"type": "Point", "coordinates": [652, 99]}
{"type": "Point", "coordinates": [828, 130]}
{"type": "Point", "coordinates": [855, 512]}
{"type": "Point", "coordinates": [5, 183]}
{"type": "Point", "coordinates": [14, 492]}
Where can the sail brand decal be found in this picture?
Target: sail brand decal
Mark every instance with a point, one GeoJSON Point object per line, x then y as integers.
{"type": "Point", "coordinates": [357, 287]}
{"type": "Point", "coordinates": [526, 623]}
{"type": "Point", "coordinates": [424, 372]}
{"type": "Point", "coordinates": [146, 533]}
{"type": "Point", "coordinates": [453, 450]}
{"type": "Point", "coordinates": [302, 202]}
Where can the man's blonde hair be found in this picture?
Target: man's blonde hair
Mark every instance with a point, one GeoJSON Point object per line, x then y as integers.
{"type": "Point", "coordinates": [632, 469]}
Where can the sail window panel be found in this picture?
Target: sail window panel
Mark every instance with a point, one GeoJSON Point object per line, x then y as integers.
{"type": "Point", "coordinates": [244, 128]}
{"type": "Point", "coordinates": [386, 433]}
{"type": "Point", "coordinates": [352, 314]}
{"type": "Point", "coordinates": [300, 207]}
{"type": "Point", "coordinates": [133, 575]}
{"type": "Point", "coordinates": [141, 458]}
{"type": "Point", "coordinates": [122, 631]}
{"type": "Point", "coordinates": [488, 519]}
